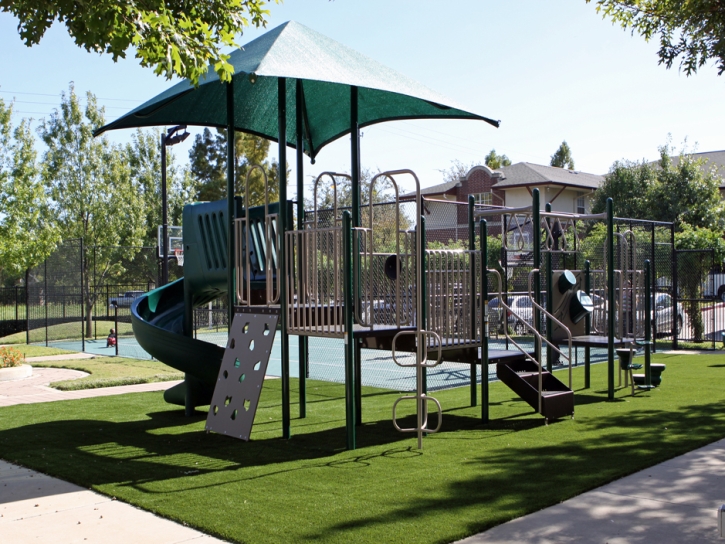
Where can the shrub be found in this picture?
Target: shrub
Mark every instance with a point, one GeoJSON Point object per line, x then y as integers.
{"type": "Point", "coordinates": [10, 357]}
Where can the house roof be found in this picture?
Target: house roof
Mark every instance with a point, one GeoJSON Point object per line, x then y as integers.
{"type": "Point", "coordinates": [435, 189]}
{"type": "Point", "coordinates": [524, 174]}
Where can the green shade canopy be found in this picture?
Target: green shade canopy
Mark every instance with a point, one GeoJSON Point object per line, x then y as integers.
{"type": "Point", "coordinates": [327, 70]}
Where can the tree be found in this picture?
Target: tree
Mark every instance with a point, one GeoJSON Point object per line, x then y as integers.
{"type": "Point", "coordinates": [494, 161]}
{"type": "Point", "coordinates": [629, 184]}
{"type": "Point", "coordinates": [692, 273]}
{"type": "Point", "coordinates": [681, 191]}
{"type": "Point", "coordinates": [692, 30]}
{"type": "Point", "coordinates": [562, 158]}
{"type": "Point", "coordinates": [175, 38]}
{"type": "Point", "coordinates": [28, 232]}
{"type": "Point", "coordinates": [92, 193]}
{"type": "Point", "coordinates": [208, 158]}
{"type": "Point", "coordinates": [457, 171]}
{"type": "Point", "coordinates": [143, 155]}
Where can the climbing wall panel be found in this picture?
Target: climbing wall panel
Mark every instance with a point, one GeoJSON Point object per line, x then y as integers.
{"type": "Point", "coordinates": [241, 375]}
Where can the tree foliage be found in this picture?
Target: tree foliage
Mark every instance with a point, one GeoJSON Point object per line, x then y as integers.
{"type": "Point", "coordinates": [495, 161]}
{"type": "Point", "coordinates": [693, 30]}
{"type": "Point", "coordinates": [143, 155]}
{"type": "Point", "coordinates": [175, 38]}
{"type": "Point", "coordinates": [562, 158]}
{"type": "Point", "coordinates": [28, 233]}
{"type": "Point", "coordinates": [208, 158]}
{"type": "Point", "coordinates": [681, 191]}
{"type": "Point", "coordinates": [91, 189]}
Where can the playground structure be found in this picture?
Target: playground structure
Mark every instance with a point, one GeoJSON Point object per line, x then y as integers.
{"type": "Point", "coordinates": [379, 287]}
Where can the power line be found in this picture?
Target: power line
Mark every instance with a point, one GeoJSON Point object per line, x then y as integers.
{"type": "Point", "coordinates": [58, 95]}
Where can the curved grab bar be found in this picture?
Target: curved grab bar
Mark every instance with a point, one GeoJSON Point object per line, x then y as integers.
{"type": "Point", "coordinates": [420, 337]}
{"type": "Point", "coordinates": [424, 425]}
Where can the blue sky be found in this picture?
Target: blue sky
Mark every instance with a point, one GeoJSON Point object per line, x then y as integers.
{"type": "Point", "coordinates": [551, 71]}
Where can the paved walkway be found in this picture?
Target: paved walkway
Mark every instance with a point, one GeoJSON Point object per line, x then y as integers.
{"type": "Point", "coordinates": [35, 388]}
{"type": "Point", "coordinates": [674, 502]}
{"type": "Point", "coordinates": [35, 508]}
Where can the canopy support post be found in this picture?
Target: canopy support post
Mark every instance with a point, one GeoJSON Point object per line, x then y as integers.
{"type": "Point", "coordinates": [302, 340]}
{"type": "Point", "coordinates": [231, 272]}
{"type": "Point", "coordinates": [281, 230]}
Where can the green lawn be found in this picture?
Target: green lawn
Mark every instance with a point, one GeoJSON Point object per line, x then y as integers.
{"type": "Point", "coordinates": [39, 351]}
{"type": "Point", "coordinates": [468, 477]}
{"type": "Point", "coordinates": [110, 372]}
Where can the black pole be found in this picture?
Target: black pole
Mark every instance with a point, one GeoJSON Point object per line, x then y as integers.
{"type": "Point", "coordinates": [472, 265]}
{"type": "Point", "coordinates": [282, 223]}
{"type": "Point", "coordinates": [675, 285]}
{"type": "Point", "coordinates": [303, 350]}
{"type": "Point", "coordinates": [27, 306]}
{"type": "Point", "coordinates": [45, 297]}
{"type": "Point", "coordinates": [164, 217]}
{"type": "Point", "coordinates": [587, 325]}
{"type": "Point", "coordinates": [83, 301]}
{"type": "Point", "coordinates": [484, 322]}
{"type": "Point", "coordinates": [115, 322]}
{"type": "Point", "coordinates": [231, 290]}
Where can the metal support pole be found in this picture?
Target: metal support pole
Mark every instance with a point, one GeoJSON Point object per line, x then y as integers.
{"type": "Point", "coordinates": [647, 324]}
{"type": "Point", "coordinates": [423, 303]}
{"type": "Point", "coordinates": [302, 341]}
{"type": "Point", "coordinates": [610, 299]}
{"type": "Point", "coordinates": [536, 227]}
{"type": "Point", "coordinates": [349, 336]}
{"type": "Point", "coordinates": [587, 326]}
{"type": "Point", "coordinates": [27, 305]}
{"type": "Point", "coordinates": [472, 264]}
{"type": "Point", "coordinates": [164, 214]}
{"type": "Point", "coordinates": [231, 279]}
{"type": "Point", "coordinates": [358, 381]}
{"type": "Point", "coordinates": [83, 299]}
{"type": "Point", "coordinates": [675, 286]}
{"type": "Point", "coordinates": [549, 301]}
{"type": "Point", "coordinates": [45, 298]}
{"type": "Point", "coordinates": [282, 229]}
{"type": "Point", "coordinates": [484, 321]}
{"type": "Point", "coordinates": [115, 322]}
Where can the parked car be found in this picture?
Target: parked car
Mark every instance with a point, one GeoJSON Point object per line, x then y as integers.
{"type": "Point", "coordinates": [664, 312]}
{"type": "Point", "coordinates": [124, 300]}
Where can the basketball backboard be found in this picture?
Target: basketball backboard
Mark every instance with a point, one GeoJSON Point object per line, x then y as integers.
{"type": "Point", "coordinates": [175, 237]}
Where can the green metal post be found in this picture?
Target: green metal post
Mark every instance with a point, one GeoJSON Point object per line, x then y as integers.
{"type": "Point", "coordinates": [536, 227]}
{"type": "Point", "coordinates": [549, 301]}
{"type": "Point", "coordinates": [587, 325]}
{"type": "Point", "coordinates": [472, 264]}
{"type": "Point", "coordinates": [484, 321]}
{"type": "Point", "coordinates": [231, 289]}
{"type": "Point", "coordinates": [610, 299]}
{"type": "Point", "coordinates": [282, 229]}
{"type": "Point", "coordinates": [348, 335]}
{"type": "Point", "coordinates": [647, 323]}
{"type": "Point", "coordinates": [424, 295]}
{"type": "Point", "coordinates": [303, 350]}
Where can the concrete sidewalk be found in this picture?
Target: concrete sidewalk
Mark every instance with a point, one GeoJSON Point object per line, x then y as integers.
{"type": "Point", "coordinates": [35, 508]}
{"type": "Point", "coordinates": [674, 502]}
{"type": "Point", "coordinates": [35, 388]}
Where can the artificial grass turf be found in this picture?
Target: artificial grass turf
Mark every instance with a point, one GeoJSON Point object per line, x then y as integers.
{"type": "Point", "coordinates": [468, 478]}
{"type": "Point", "coordinates": [30, 350]}
{"type": "Point", "coordinates": [111, 372]}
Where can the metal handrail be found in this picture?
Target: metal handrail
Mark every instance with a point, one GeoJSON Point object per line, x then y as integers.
{"type": "Point", "coordinates": [546, 340]}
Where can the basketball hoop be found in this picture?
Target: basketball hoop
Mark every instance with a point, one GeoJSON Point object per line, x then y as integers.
{"type": "Point", "coordinates": [179, 254]}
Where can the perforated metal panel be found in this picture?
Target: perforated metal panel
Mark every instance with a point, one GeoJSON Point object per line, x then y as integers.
{"type": "Point", "coordinates": [241, 375]}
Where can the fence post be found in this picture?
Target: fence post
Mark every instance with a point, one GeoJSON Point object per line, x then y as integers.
{"type": "Point", "coordinates": [27, 306]}
{"type": "Point", "coordinates": [83, 302]}
{"type": "Point", "coordinates": [115, 319]}
{"type": "Point", "coordinates": [45, 297]}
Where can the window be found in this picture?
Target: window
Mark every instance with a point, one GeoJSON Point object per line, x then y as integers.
{"type": "Point", "coordinates": [581, 205]}
{"type": "Point", "coordinates": [484, 199]}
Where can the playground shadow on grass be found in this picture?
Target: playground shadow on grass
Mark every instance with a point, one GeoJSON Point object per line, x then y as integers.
{"type": "Point", "coordinates": [93, 452]}
{"type": "Point", "coordinates": [512, 485]}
